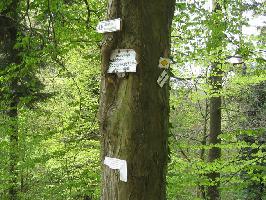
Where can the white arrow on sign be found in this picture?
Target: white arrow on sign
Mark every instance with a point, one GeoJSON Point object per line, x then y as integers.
{"type": "Point", "coordinates": [109, 26]}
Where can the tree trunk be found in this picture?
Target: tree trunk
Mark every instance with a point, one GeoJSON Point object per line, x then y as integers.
{"type": "Point", "coordinates": [202, 188]}
{"type": "Point", "coordinates": [13, 152]}
{"type": "Point", "coordinates": [215, 43]}
{"type": "Point", "coordinates": [134, 109]}
{"type": "Point", "coordinates": [10, 56]}
{"type": "Point", "coordinates": [215, 130]}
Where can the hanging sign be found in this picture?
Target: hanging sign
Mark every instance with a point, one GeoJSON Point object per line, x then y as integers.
{"type": "Point", "coordinates": [122, 60]}
{"type": "Point", "coordinates": [163, 78]}
{"type": "Point", "coordinates": [164, 63]}
{"type": "Point", "coordinates": [109, 26]}
{"type": "Point", "coordinates": [121, 165]}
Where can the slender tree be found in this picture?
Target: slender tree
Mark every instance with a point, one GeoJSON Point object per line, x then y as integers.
{"type": "Point", "coordinates": [215, 130]}
{"type": "Point", "coordinates": [134, 109]}
{"type": "Point", "coordinates": [9, 33]}
{"type": "Point", "coordinates": [215, 45]}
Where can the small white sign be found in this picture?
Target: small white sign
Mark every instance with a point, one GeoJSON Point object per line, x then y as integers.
{"type": "Point", "coordinates": [121, 165]}
{"type": "Point", "coordinates": [122, 60]}
{"type": "Point", "coordinates": [185, 1]}
{"type": "Point", "coordinates": [163, 78]}
{"type": "Point", "coordinates": [164, 63]}
{"type": "Point", "coordinates": [109, 26]}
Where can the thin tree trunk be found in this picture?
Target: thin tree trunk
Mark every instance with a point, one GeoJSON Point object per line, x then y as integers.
{"type": "Point", "coordinates": [215, 43]}
{"type": "Point", "coordinates": [215, 130]}
{"type": "Point", "coordinates": [13, 152]}
{"type": "Point", "coordinates": [202, 188]}
{"type": "Point", "coordinates": [134, 109]}
{"type": "Point", "coordinates": [8, 39]}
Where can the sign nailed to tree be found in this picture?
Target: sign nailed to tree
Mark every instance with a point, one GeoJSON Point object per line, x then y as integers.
{"type": "Point", "coordinates": [109, 26]}
{"type": "Point", "coordinates": [122, 60]}
{"type": "Point", "coordinates": [121, 165]}
{"type": "Point", "coordinates": [164, 63]}
{"type": "Point", "coordinates": [163, 78]}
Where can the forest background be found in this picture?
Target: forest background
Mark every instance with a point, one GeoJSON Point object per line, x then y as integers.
{"type": "Point", "coordinates": [50, 96]}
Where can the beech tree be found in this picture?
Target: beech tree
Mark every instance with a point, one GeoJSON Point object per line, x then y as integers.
{"type": "Point", "coordinates": [134, 109]}
{"type": "Point", "coordinates": [215, 47]}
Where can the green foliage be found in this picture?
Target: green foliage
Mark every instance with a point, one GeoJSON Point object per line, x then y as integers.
{"type": "Point", "coordinates": [201, 38]}
{"type": "Point", "coordinates": [61, 146]}
{"type": "Point", "coordinates": [58, 136]}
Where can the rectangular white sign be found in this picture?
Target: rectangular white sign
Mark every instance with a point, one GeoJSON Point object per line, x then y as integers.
{"type": "Point", "coordinates": [121, 165]}
{"type": "Point", "coordinates": [122, 60]}
{"type": "Point", "coordinates": [163, 78]}
{"type": "Point", "coordinates": [109, 26]}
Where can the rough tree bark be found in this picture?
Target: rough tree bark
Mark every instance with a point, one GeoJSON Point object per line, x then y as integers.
{"type": "Point", "coordinates": [134, 109]}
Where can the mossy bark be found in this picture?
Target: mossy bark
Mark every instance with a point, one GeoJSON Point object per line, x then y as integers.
{"type": "Point", "coordinates": [134, 109]}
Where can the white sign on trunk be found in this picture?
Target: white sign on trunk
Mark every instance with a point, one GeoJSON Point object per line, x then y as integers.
{"type": "Point", "coordinates": [109, 26]}
{"type": "Point", "coordinates": [121, 165]}
{"type": "Point", "coordinates": [122, 60]}
{"type": "Point", "coordinates": [163, 78]}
